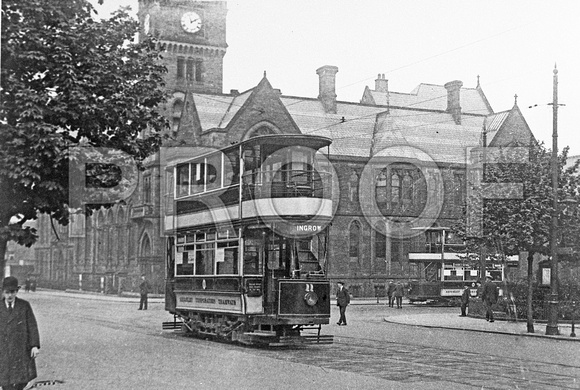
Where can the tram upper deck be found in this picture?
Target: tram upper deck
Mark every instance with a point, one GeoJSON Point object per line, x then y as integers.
{"type": "Point", "coordinates": [265, 177]}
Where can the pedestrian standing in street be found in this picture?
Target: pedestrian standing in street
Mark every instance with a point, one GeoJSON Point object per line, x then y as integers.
{"type": "Point", "coordinates": [489, 297]}
{"type": "Point", "coordinates": [465, 301]}
{"type": "Point", "coordinates": [19, 339]}
{"type": "Point", "coordinates": [144, 288]}
{"type": "Point", "coordinates": [27, 284]}
{"type": "Point", "coordinates": [342, 301]}
{"type": "Point", "coordinates": [399, 295]}
{"type": "Point", "coordinates": [391, 293]}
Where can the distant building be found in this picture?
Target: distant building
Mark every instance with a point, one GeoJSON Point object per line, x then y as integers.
{"type": "Point", "coordinates": [389, 151]}
{"type": "Point", "coordinates": [20, 260]}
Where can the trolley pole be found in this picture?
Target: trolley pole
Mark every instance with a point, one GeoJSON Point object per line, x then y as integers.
{"type": "Point", "coordinates": [553, 304]}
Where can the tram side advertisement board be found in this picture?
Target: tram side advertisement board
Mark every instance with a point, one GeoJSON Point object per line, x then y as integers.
{"type": "Point", "coordinates": [210, 302]}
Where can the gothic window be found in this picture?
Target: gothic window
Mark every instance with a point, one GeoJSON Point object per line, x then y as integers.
{"type": "Point", "coordinates": [400, 187]}
{"type": "Point", "coordinates": [353, 186]}
{"type": "Point", "coordinates": [395, 188]}
{"type": "Point", "coordinates": [354, 240]}
{"type": "Point", "coordinates": [198, 70]}
{"type": "Point", "coordinates": [459, 190]}
{"type": "Point", "coordinates": [191, 69]}
{"type": "Point", "coordinates": [381, 187]}
{"type": "Point", "coordinates": [396, 248]}
{"type": "Point", "coordinates": [407, 187]}
{"type": "Point", "coordinates": [406, 191]}
{"type": "Point", "coordinates": [180, 68]}
{"type": "Point", "coordinates": [145, 246]}
{"type": "Point", "coordinates": [176, 114]}
{"type": "Point", "coordinates": [147, 189]}
{"type": "Point", "coordinates": [262, 130]}
{"type": "Point", "coordinates": [380, 243]}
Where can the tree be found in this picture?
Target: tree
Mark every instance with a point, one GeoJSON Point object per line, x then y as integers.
{"type": "Point", "coordinates": [511, 226]}
{"type": "Point", "coordinates": [68, 79]}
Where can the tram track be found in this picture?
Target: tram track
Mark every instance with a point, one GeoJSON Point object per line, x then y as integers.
{"type": "Point", "coordinates": [451, 365]}
{"type": "Point", "coordinates": [402, 362]}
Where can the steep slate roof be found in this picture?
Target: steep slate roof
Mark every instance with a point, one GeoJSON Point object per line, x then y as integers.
{"type": "Point", "coordinates": [367, 130]}
{"type": "Point", "coordinates": [494, 122]}
{"type": "Point", "coordinates": [432, 97]}
{"type": "Point", "coordinates": [422, 129]}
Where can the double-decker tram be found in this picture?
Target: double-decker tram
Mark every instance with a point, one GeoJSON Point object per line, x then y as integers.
{"type": "Point", "coordinates": [247, 241]}
{"type": "Point", "coordinates": [444, 268]}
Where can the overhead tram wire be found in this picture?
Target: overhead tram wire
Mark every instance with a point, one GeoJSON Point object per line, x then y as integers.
{"type": "Point", "coordinates": [445, 52]}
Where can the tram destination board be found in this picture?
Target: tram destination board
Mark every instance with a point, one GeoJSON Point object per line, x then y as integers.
{"type": "Point", "coordinates": [254, 287]}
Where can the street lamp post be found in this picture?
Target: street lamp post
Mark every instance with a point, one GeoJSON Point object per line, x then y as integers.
{"type": "Point", "coordinates": [553, 304]}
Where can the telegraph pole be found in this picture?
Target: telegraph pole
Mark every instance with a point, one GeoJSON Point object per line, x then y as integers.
{"type": "Point", "coordinates": [553, 310]}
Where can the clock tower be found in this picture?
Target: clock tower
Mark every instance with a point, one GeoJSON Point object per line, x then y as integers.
{"type": "Point", "coordinates": [194, 35]}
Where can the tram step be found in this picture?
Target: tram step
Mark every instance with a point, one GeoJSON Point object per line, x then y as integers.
{"type": "Point", "coordinates": [304, 339]}
{"type": "Point", "coordinates": [261, 334]}
{"type": "Point", "coordinates": [168, 325]}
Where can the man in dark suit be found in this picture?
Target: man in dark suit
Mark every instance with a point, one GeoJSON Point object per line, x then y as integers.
{"type": "Point", "coordinates": [489, 297]}
{"type": "Point", "coordinates": [19, 339]}
{"type": "Point", "coordinates": [342, 301]}
{"type": "Point", "coordinates": [464, 300]}
{"type": "Point", "coordinates": [399, 292]}
{"type": "Point", "coordinates": [143, 291]}
{"type": "Point", "coordinates": [391, 293]}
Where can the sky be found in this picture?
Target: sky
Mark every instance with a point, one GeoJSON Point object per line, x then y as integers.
{"type": "Point", "coordinates": [513, 46]}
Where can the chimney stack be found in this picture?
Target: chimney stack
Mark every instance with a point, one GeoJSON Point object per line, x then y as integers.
{"type": "Point", "coordinates": [381, 84]}
{"type": "Point", "coordinates": [326, 87]}
{"type": "Point", "coordinates": [453, 99]}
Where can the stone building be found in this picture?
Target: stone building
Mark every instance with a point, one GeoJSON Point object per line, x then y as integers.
{"type": "Point", "coordinates": [400, 159]}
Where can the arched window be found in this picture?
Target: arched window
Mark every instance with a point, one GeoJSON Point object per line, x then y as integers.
{"type": "Point", "coordinates": [353, 185]}
{"type": "Point", "coordinates": [121, 216]}
{"type": "Point", "coordinates": [400, 187]}
{"type": "Point", "coordinates": [407, 193]}
{"type": "Point", "coordinates": [176, 111]}
{"type": "Point", "coordinates": [381, 187]}
{"type": "Point", "coordinates": [380, 241]}
{"type": "Point", "coordinates": [354, 240]}
{"type": "Point", "coordinates": [261, 130]}
{"type": "Point", "coordinates": [395, 188]}
{"type": "Point", "coordinates": [145, 249]}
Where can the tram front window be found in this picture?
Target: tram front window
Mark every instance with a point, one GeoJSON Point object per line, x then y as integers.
{"type": "Point", "coordinates": [204, 259]}
{"type": "Point", "coordinates": [227, 258]}
{"type": "Point", "coordinates": [252, 265]}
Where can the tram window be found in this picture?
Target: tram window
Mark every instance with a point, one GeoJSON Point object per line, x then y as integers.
{"type": "Point", "coordinates": [182, 180]}
{"type": "Point", "coordinates": [204, 259]}
{"type": "Point", "coordinates": [213, 172]}
{"type": "Point", "coordinates": [198, 177]}
{"type": "Point", "coordinates": [183, 265]}
{"type": "Point", "coordinates": [252, 264]}
{"type": "Point", "coordinates": [232, 167]}
{"type": "Point", "coordinates": [227, 258]}
{"type": "Point", "coordinates": [276, 249]}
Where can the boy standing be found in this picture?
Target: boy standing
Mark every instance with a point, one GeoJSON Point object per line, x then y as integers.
{"type": "Point", "coordinates": [19, 339]}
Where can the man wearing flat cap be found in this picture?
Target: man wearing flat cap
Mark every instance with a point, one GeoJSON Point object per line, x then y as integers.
{"type": "Point", "coordinates": [19, 339]}
{"type": "Point", "coordinates": [489, 297]}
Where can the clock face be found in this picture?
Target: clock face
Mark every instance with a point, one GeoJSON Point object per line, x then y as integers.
{"type": "Point", "coordinates": [191, 22]}
{"type": "Point", "coordinates": [147, 23]}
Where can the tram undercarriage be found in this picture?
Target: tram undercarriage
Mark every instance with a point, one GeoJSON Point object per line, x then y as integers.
{"type": "Point", "coordinates": [249, 330]}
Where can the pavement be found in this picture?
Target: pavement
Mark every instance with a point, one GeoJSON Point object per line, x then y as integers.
{"type": "Point", "coordinates": [406, 316]}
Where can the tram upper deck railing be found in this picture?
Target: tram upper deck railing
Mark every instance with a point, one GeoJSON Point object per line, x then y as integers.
{"type": "Point", "coordinates": [287, 183]}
